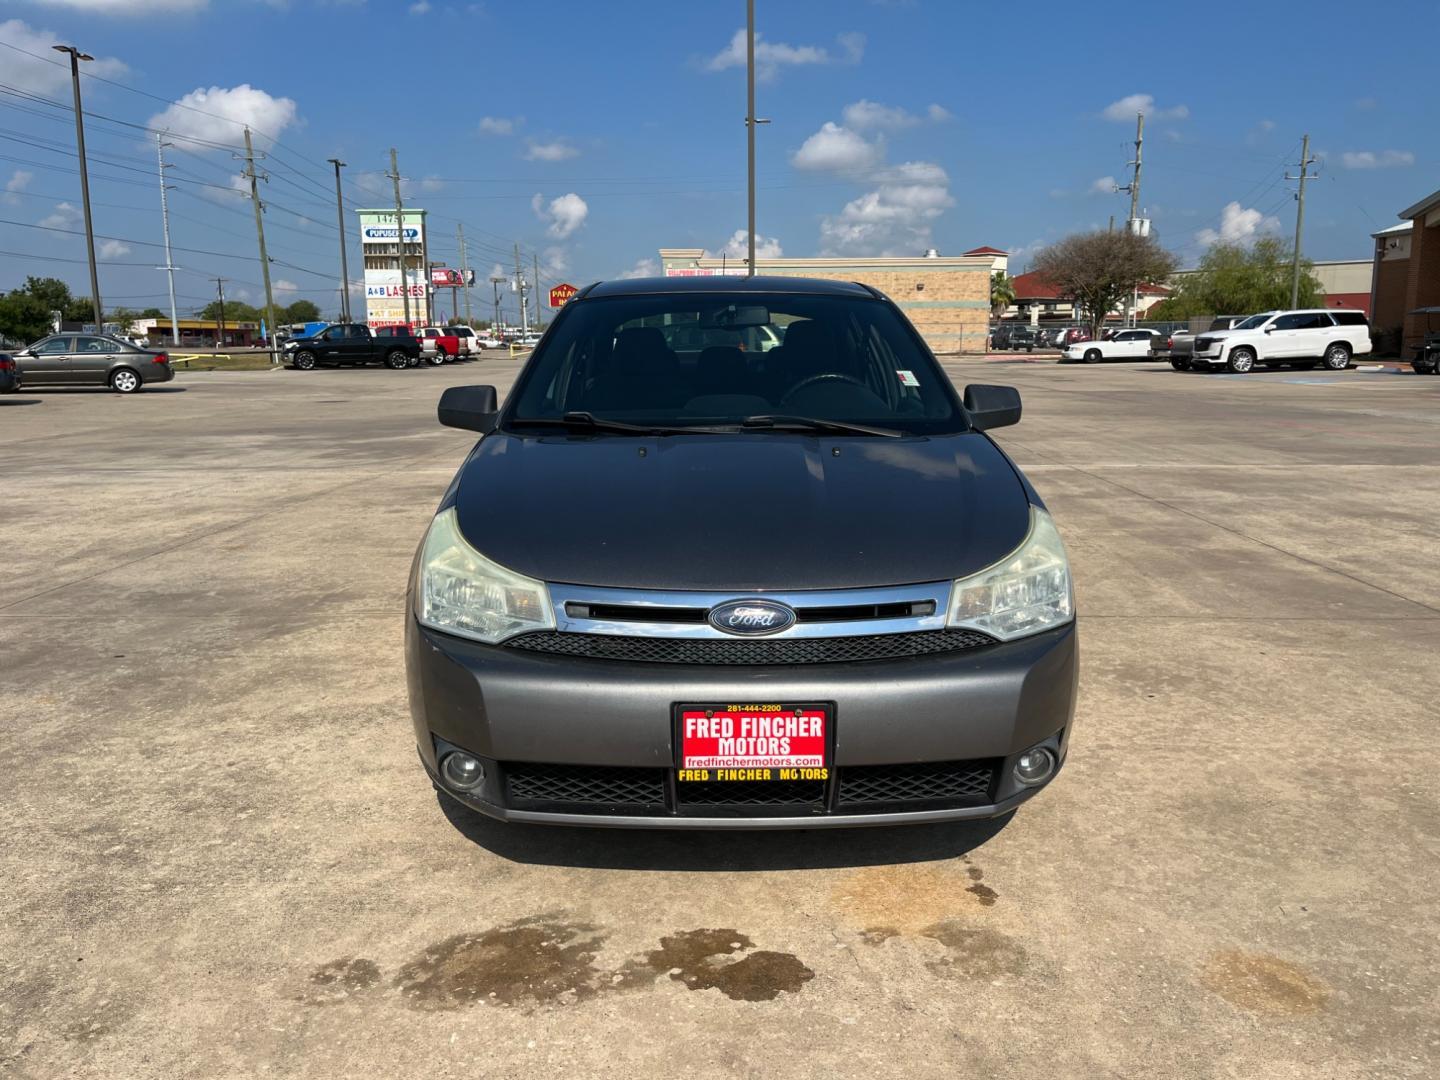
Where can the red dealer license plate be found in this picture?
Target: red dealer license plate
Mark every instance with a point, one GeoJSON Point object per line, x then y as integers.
{"type": "Point", "coordinates": [753, 742]}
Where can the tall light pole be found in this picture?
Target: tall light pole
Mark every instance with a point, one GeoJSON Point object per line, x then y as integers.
{"type": "Point", "coordinates": [750, 121]}
{"type": "Point", "coordinates": [169, 266]}
{"type": "Point", "coordinates": [344, 260]}
{"type": "Point", "coordinates": [400, 235]}
{"type": "Point", "coordinates": [497, 282]}
{"type": "Point", "coordinates": [75, 57]}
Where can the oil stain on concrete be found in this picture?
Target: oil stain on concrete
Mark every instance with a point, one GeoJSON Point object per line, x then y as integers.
{"type": "Point", "coordinates": [973, 952]}
{"type": "Point", "coordinates": [700, 960]}
{"type": "Point", "coordinates": [535, 961]}
{"type": "Point", "coordinates": [1263, 983]}
{"type": "Point", "coordinates": [547, 960]}
{"type": "Point", "coordinates": [911, 896]}
{"type": "Point", "coordinates": [334, 982]}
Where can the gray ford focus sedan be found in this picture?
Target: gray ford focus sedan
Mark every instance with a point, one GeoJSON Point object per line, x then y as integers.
{"type": "Point", "coordinates": [734, 554]}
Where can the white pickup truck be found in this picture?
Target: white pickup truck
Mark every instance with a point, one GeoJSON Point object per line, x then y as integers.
{"type": "Point", "coordinates": [1285, 338]}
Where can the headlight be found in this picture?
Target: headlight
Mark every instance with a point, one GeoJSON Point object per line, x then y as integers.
{"type": "Point", "coordinates": [461, 592]}
{"type": "Point", "coordinates": [1024, 593]}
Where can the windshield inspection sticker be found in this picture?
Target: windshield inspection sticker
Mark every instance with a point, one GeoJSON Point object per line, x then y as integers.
{"type": "Point", "coordinates": [907, 378]}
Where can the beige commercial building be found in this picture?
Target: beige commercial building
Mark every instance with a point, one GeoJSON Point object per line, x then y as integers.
{"type": "Point", "coordinates": [946, 297]}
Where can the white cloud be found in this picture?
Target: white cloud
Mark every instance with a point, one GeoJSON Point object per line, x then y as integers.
{"type": "Point", "coordinates": [893, 219]}
{"type": "Point", "coordinates": [554, 261]}
{"type": "Point", "coordinates": [66, 216]}
{"type": "Point", "coordinates": [500, 125]}
{"type": "Point", "coordinates": [938, 114]}
{"type": "Point", "coordinates": [837, 149]}
{"type": "Point", "coordinates": [220, 115]}
{"type": "Point", "coordinates": [642, 268]}
{"type": "Point", "coordinates": [18, 182]}
{"type": "Point", "coordinates": [128, 7]}
{"type": "Point", "coordinates": [380, 188]}
{"type": "Point", "coordinates": [1238, 225]}
{"type": "Point", "coordinates": [556, 150]}
{"type": "Point", "coordinates": [1372, 159]}
{"type": "Point", "coordinates": [1104, 185]}
{"type": "Point", "coordinates": [112, 249]}
{"type": "Point", "coordinates": [771, 56]}
{"type": "Point", "coordinates": [1126, 108]}
{"type": "Point", "coordinates": [564, 215]}
{"type": "Point", "coordinates": [281, 285]}
{"type": "Point", "coordinates": [1261, 129]}
{"type": "Point", "coordinates": [421, 8]}
{"type": "Point", "coordinates": [738, 246]}
{"type": "Point", "coordinates": [865, 115]}
{"type": "Point", "coordinates": [42, 76]}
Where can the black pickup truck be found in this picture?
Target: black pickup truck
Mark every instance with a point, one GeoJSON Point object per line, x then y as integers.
{"type": "Point", "coordinates": [355, 343]}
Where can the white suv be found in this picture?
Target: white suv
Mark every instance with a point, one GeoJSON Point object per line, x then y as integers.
{"type": "Point", "coordinates": [1288, 338]}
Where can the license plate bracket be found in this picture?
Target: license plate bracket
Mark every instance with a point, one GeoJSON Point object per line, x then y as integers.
{"type": "Point", "coordinates": [755, 741]}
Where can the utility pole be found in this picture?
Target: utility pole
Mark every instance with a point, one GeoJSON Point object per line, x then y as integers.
{"type": "Point", "coordinates": [344, 259]}
{"type": "Point", "coordinates": [394, 175]}
{"type": "Point", "coordinates": [75, 57]}
{"type": "Point", "coordinates": [220, 320]}
{"type": "Point", "coordinates": [520, 282]}
{"type": "Point", "coordinates": [1305, 162]}
{"type": "Point", "coordinates": [537, 289]}
{"type": "Point", "coordinates": [750, 122]}
{"type": "Point", "coordinates": [264, 258]}
{"type": "Point", "coordinates": [464, 271]}
{"type": "Point", "coordinates": [1132, 226]}
{"type": "Point", "coordinates": [169, 266]}
{"type": "Point", "coordinates": [495, 283]}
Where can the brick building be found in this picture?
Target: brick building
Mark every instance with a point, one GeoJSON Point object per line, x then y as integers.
{"type": "Point", "coordinates": [1391, 278]}
{"type": "Point", "coordinates": [1422, 277]}
{"type": "Point", "coordinates": [947, 298]}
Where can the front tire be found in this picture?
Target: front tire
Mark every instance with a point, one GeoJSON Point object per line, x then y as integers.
{"type": "Point", "coordinates": [125, 381]}
{"type": "Point", "coordinates": [1337, 356]}
{"type": "Point", "coordinates": [1093, 356]}
{"type": "Point", "coordinates": [305, 360]}
{"type": "Point", "coordinates": [1241, 360]}
{"type": "Point", "coordinates": [436, 358]}
{"type": "Point", "coordinates": [396, 360]}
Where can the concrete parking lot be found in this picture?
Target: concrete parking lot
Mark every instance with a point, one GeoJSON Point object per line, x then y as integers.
{"type": "Point", "coordinates": [222, 859]}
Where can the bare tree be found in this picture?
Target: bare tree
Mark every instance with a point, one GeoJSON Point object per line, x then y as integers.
{"type": "Point", "coordinates": [1099, 270]}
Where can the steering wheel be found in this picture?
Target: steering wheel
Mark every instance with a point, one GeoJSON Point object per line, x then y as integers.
{"type": "Point", "coordinates": [822, 377]}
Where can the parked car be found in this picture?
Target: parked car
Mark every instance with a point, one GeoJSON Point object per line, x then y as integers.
{"type": "Point", "coordinates": [1182, 342]}
{"type": "Point", "coordinates": [469, 340]}
{"type": "Point", "coordinates": [749, 676]}
{"type": "Point", "coordinates": [9, 374]}
{"type": "Point", "coordinates": [438, 344]}
{"type": "Point", "coordinates": [1427, 353]}
{"type": "Point", "coordinates": [92, 360]}
{"type": "Point", "coordinates": [1132, 344]}
{"type": "Point", "coordinates": [404, 338]}
{"type": "Point", "coordinates": [352, 343]}
{"type": "Point", "coordinates": [1286, 338]}
{"type": "Point", "coordinates": [1017, 336]}
{"type": "Point", "coordinates": [490, 341]}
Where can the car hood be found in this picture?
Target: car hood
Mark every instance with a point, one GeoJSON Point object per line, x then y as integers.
{"type": "Point", "coordinates": [1213, 334]}
{"type": "Point", "coordinates": [743, 513]}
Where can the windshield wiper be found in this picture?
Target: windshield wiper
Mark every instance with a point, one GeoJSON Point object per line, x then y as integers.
{"type": "Point", "coordinates": [587, 421]}
{"type": "Point", "coordinates": [810, 423]}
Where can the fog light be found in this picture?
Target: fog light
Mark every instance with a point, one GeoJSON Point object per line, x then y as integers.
{"type": "Point", "coordinates": [1034, 766]}
{"type": "Point", "coordinates": [461, 771]}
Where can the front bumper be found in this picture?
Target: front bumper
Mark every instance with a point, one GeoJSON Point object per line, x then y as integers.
{"type": "Point", "coordinates": [517, 710]}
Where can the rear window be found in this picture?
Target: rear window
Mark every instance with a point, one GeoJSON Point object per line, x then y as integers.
{"type": "Point", "coordinates": [1350, 318]}
{"type": "Point", "coordinates": [706, 359]}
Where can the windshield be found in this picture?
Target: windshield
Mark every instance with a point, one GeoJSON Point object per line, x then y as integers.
{"type": "Point", "coordinates": [688, 359]}
{"type": "Point", "coordinates": [1254, 322]}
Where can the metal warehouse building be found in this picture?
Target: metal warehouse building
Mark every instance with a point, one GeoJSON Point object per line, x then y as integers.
{"type": "Point", "coordinates": [947, 298]}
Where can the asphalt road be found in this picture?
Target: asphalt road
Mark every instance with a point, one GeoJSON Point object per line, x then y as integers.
{"type": "Point", "coordinates": [221, 859]}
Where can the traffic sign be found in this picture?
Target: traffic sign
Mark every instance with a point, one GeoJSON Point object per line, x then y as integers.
{"type": "Point", "coordinates": [562, 293]}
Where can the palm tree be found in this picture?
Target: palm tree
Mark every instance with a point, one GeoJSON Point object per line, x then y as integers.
{"type": "Point", "coordinates": [1002, 292]}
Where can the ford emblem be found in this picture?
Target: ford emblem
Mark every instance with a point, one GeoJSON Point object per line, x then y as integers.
{"type": "Point", "coordinates": [751, 617]}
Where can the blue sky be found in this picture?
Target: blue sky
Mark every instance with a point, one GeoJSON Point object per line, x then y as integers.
{"type": "Point", "coordinates": [593, 133]}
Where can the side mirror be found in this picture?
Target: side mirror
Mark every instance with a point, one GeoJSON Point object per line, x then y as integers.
{"type": "Point", "coordinates": [992, 406]}
{"type": "Point", "coordinates": [473, 408]}
{"type": "Point", "coordinates": [1269, 329]}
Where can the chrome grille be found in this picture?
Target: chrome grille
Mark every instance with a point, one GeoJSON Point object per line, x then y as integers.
{"type": "Point", "coordinates": [750, 651]}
